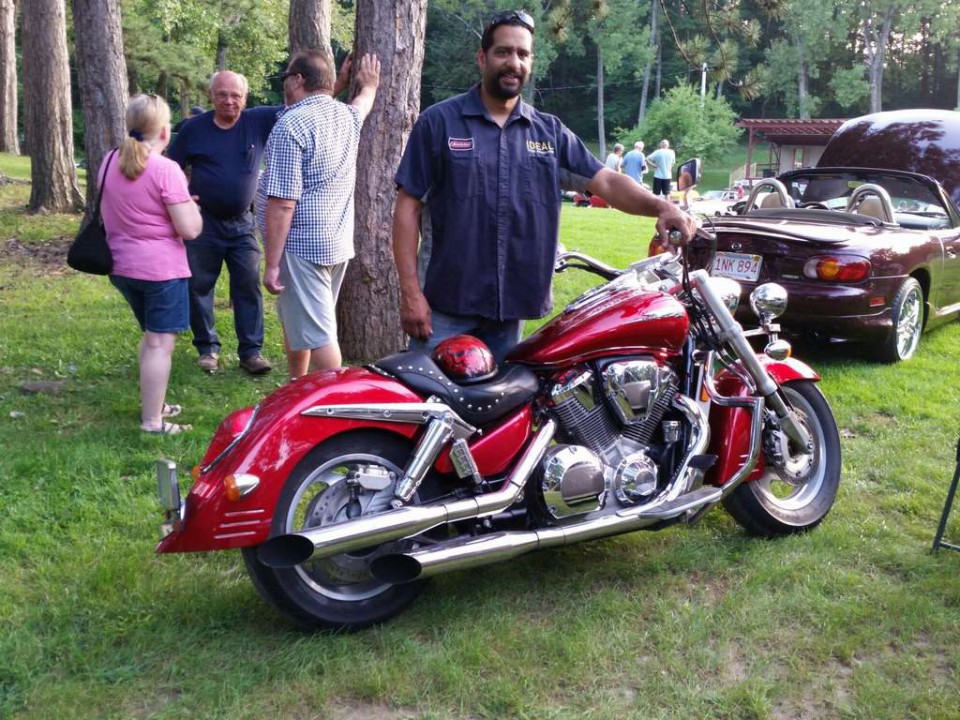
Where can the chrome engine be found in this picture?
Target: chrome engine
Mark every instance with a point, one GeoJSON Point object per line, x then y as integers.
{"type": "Point", "coordinates": [608, 416]}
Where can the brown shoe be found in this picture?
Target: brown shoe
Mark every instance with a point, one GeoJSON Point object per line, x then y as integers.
{"type": "Point", "coordinates": [208, 362]}
{"type": "Point", "coordinates": [255, 364]}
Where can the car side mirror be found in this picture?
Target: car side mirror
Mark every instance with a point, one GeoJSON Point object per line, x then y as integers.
{"type": "Point", "coordinates": [688, 174]}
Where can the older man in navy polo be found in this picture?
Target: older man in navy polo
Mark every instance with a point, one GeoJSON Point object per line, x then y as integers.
{"type": "Point", "coordinates": [222, 151]}
{"type": "Point", "coordinates": [477, 212]}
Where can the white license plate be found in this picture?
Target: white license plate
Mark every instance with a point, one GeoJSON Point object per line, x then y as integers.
{"type": "Point", "coordinates": [738, 266]}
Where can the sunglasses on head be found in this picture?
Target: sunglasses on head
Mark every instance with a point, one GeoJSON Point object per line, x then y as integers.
{"type": "Point", "coordinates": [511, 16]}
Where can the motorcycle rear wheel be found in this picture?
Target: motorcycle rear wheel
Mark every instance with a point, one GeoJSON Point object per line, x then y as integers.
{"type": "Point", "coordinates": [798, 495]}
{"type": "Point", "coordinates": [337, 592]}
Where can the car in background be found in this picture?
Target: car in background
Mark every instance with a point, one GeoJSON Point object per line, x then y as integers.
{"type": "Point", "coordinates": [714, 202]}
{"type": "Point", "coordinates": [867, 244]}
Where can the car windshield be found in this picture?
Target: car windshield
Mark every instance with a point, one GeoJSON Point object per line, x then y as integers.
{"type": "Point", "coordinates": [912, 201]}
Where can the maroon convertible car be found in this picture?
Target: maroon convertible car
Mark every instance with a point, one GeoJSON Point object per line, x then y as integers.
{"type": "Point", "coordinates": [867, 243]}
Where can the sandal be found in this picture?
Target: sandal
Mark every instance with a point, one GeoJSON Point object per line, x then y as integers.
{"type": "Point", "coordinates": [171, 411]}
{"type": "Point", "coordinates": [167, 429]}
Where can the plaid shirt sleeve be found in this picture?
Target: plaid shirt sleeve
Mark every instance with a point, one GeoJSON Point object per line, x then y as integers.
{"type": "Point", "coordinates": [285, 158]}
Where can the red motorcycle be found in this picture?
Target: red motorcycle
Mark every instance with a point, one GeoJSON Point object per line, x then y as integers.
{"type": "Point", "coordinates": [641, 405]}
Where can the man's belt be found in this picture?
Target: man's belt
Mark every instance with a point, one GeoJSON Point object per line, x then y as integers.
{"type": "Point", "coordinates": [224, 218]}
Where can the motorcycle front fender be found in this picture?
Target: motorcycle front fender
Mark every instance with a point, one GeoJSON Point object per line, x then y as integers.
{"type": "Point", "coordinates": [277, 438]}
{"type": "Point", "coordinates": [730, 426]}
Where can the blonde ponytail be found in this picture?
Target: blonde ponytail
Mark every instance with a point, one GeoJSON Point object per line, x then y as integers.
{"type": "Point", "coordinates": [146, 117]}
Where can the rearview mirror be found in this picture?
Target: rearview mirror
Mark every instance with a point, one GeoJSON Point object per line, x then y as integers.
{"type": "Point", "coordinates": [688, 174]}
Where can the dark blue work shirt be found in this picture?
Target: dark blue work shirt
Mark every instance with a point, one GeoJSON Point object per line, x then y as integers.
{"type": "Point", "coordinates": [224, 164]}
{"type": "Point", "coordinates": [490, 223]}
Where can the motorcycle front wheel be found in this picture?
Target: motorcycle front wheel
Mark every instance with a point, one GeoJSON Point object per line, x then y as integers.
{"type": "Point", "coordinates": [336, 592]}
{"type": "Point", "coordinates": [795, 492]}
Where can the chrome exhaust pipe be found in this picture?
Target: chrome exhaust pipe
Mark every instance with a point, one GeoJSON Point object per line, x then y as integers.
{"type": "Point", "coordinates": [363, 532]}
{"type": "Point", "coordinates": [461, 554]}
{"type": "Point", "coordinates": [478, 551]}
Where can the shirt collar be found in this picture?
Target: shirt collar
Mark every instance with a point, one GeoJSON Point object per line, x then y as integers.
{"type": "Point", "coordinates": [474, 106]}
{"type": "Point", "coordinates": [311, 99]}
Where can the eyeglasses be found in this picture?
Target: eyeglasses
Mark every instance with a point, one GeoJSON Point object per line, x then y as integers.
{"type": "Point", "coordinates": [285, 75]}
{"type": "Point", "coordinates": [511, 16]}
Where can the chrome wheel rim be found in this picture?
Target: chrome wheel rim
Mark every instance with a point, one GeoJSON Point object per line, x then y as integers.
{"type": "Point", "coordinates": [909, 323]}
{"type": "Point", "coordinates": [323, 499]}
{"type": "Point", "coordinates": [800, 480]}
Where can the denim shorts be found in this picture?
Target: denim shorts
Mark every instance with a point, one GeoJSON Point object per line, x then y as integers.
{"type": "Point", "coordinates": [161, 306]}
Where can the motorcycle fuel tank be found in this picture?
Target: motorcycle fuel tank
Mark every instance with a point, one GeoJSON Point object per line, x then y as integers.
{"type": "Point", "coordinates": [611, 320]}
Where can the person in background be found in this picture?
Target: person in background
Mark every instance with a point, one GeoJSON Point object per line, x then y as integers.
{"type": "Point", "coordinates": [147, 214]}
{"type": "Point", "coordinates": [309, 184]}
{"type": "Point", "coordinates": [476, 256]}
{"type": "Point", "coordinates": [662, 160]}
{"type": "Point", "coordinates": [615, 159]}
{"type": "Point", "coordinates": [222, 151]}
{"type": "Point", "coordinates": [634, 164]}
{"type": "Point", "coordinates": [195, 110]}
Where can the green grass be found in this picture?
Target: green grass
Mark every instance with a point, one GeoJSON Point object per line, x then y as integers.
{"type": "Point", "coordinates": [854, 620]}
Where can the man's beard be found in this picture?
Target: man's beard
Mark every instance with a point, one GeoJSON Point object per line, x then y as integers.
{"type": "Point", "coordinates": [497, 90]}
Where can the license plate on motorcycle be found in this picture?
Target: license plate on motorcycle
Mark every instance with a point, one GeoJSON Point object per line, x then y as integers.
{"type": "Point", "coordinates": [738, 266]}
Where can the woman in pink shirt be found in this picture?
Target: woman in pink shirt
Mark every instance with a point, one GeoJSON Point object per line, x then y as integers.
{"type": "Point", "coordinates": [148, 213]}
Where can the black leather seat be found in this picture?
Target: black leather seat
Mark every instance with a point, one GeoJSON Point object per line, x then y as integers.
{"type": "Point", "coordinates": [478, 403]}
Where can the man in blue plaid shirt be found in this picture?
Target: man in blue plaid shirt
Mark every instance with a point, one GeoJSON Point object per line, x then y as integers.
{"type": "Point", "coordinates": [309, 180]}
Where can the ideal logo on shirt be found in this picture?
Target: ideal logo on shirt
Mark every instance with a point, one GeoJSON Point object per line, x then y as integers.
{"type": "Point", "coordinates": [540, 148]}
{"type": "Point", "coordinates": [460, 143]}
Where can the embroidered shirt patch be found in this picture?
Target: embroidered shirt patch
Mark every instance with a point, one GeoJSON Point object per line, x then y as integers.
{"type": "Point", "coordinates": [460, 143]}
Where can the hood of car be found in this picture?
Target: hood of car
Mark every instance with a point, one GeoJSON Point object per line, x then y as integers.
{"type": "Point", "coordinates": [926, 142]}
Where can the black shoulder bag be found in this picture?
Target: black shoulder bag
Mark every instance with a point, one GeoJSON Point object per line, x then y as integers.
{"type": "Point", "coordinates": [89, 252]}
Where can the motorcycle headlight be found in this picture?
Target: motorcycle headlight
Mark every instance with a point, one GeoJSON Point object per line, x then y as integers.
{"type": "Point", "coordinates": [769, 301]}
{"type": "Point", "coordinates": [729, 292]}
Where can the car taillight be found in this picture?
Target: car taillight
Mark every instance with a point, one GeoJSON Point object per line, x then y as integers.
{"type": "Point", "coordinates": [233, 427]}
{"type": "Point", "coordinates": [837, 268]}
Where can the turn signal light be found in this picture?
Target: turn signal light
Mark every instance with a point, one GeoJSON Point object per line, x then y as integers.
{"type": "Point", "coordinates": [837, 268]}
{"type": "Point", "coordinates": [239, 485]}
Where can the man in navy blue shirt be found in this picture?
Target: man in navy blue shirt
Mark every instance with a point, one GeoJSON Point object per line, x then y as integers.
{"type": "Point", "coordinates": [477, 212]}
{"type": "Point", "coordinates": [222, 151]}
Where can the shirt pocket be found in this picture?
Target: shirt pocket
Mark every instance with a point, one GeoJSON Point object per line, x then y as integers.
{"type": "Point", "coordinates": [466, 175]}
{"type": "Point", "coordinates": [248, 159]}
{"type": "Point", "coordinates": [539, 180]}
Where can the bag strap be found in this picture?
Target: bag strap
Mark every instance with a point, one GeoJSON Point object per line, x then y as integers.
{"type": "Point", "coordinates": [103, 181]}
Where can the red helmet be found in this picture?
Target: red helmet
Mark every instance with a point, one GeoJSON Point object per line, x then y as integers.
{"type": "Point", "coordinates": [465, 359]}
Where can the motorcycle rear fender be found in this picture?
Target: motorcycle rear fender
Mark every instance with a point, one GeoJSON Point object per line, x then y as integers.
{"type": "Point", "coordinates": [280, 436]}
{"type": "Point", "coordinates": [730, 426]}
{"type": "Point", "coordinates": [277, 439]}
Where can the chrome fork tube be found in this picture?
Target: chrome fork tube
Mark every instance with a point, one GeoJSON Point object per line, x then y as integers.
{"type": "Point", "coordinates": [731, 332]}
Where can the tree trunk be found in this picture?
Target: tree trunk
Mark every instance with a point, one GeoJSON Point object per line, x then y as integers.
{"type": "Point", "coordinates": [654, 45]}
{"type": "Point", "coordinates": [601, 130]}
{"type": "Point", "coordinates": [48, 118]}
{"type": "Point", "coordinates": [222, 48]}
{"type": "Point", "coordinates": [9, 142]}
{"type": "Point", "coordinates": [659, 76]}
{"type": "Point", "coordinates": [368, 313]}
{"type": "Point", "coordinates": [310, 27]}
{"type": "Point", "coordinates": [957, 107]}
{"type": "Point", "coordinates": [802, 112]}
{"type": "Point", "coordinates": [101, 79]}
{"type": "Point", "coordinates": [876, 53]}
